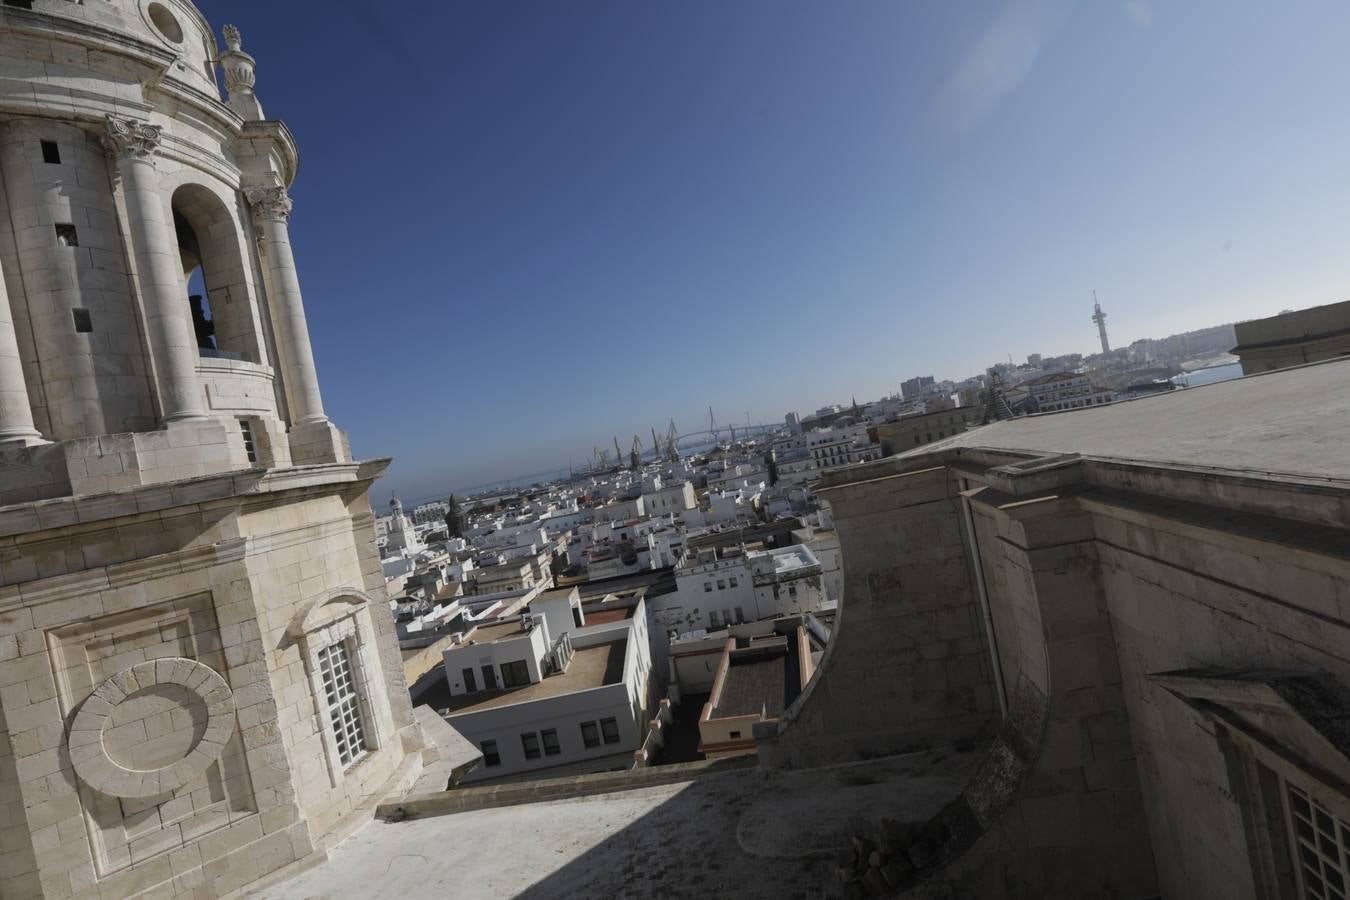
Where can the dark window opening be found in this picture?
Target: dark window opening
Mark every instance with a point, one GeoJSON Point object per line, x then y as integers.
{"type": "Point", "coordinates": [250, 450]}
{"type": "Point", "coordinates": [84, 323]}
{"type": "Point", "coordinates": [551, 745]}
{"type": "Point", "coordinates": [51, 153]}
{"type": "Point", "coordinates": [490, 755]}
{"type": "Point", "coordinates": [489, 678]}
{"type": "Point", "coordinates": [202, 324]}
{"type": "Point", "coordinates": [515, 674]}
{"type": "Point", "coordinates": [20, 4]}
{"type": "Point", "coordinates": [610, 729]}
{"type": "Point", "coordinates": [470, 685]}
{"type": "Point", "coordinates": [735, 735]}
{"type": "Point", "coordinates": [590, 734]}
{"type": "Point", "coordinates": [66, 236]}
{"type": "Point", "coordinates": [531, 744]}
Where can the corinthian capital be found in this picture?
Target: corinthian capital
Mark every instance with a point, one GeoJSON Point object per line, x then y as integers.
{"type": "Point", "coordinates": [130, 137]}
{"type": "Point", "coordinates": [269, 204]}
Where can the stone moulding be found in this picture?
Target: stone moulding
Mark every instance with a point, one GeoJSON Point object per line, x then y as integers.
{"type": "Point", "coordinates": [100, 771]}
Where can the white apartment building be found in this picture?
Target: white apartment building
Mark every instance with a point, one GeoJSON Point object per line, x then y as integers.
{"type": "Point", "coordinates": [728, 586]}
{"type": "Point", "coordinates": [620, 510]}
{"type": "Point", "coordinates": [1066, 390]}
{"type": "Point", "coordinates": [841, 446]}
{"type": "Point", "coordinates": [661, 500]}
{"type": "Point", "coordinates": [546, 695]}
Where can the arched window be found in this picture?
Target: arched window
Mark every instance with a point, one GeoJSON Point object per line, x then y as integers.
{"type": "Point", "coordinates": [217, 292]}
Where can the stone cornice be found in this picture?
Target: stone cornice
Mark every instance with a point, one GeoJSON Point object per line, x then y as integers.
{"type": "Point", "coordinates": [23, 521]}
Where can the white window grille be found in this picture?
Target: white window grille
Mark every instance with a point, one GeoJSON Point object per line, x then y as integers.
{"type": "Point", "coordinates": [1321, 847]}
{"type": "Point", "coordinates": [344, 709]}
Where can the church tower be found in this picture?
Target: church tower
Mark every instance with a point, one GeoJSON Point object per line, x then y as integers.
{"type": "Point", "coordinates": [199, 680]}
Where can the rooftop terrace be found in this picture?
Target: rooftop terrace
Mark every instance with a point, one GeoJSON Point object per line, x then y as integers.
{"type": "Point", "coordinates": [591, 667]}
{"type": "Point", "coordinates": [1262, 423]}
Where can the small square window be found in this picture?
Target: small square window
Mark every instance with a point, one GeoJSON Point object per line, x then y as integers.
{"type": "Point", "coordinates": [490, 755]}
{"type": "Point", "coordinates": [249, 449]}
{"type": "Point", "coordinates": [550, 738]}
{"type": "Point", "coordinates": [51, 153]}
{"type": "Point", "coordinates": [707, 587]}
{"type": "Point", "coordinates": [610, 729]}
{"type": "Point", "coordinates": [531, 744]}
{"type": "Point", "coordinates": [66, 236]}
{"type": "Point", "coordinates": [84, 323]}
{"type": "Point", "coordinates": [735, 735]}
{"type": "Point", "coordinates": [590, 734]}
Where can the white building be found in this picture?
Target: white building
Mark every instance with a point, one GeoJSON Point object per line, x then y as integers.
{"type": "Point", "coordinates": [669, 498]}
{"type": "Point", "coordinates": [1066, 390]}
{"type": "Point", "coordinates": [401, 536]}
{"type": "Point", "coordinates": [546, 695]}
{"type": "Point", "coordinates": [725, 586]}
{"type": "Point", "coordinates": [841, 446]}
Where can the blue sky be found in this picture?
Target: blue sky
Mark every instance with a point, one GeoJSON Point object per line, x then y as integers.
{"type": "Point", "coordinates": [523, 228]}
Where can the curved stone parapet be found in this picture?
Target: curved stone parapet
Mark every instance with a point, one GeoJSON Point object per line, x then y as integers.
{"type": "Point", "coordinates": [906, 668]}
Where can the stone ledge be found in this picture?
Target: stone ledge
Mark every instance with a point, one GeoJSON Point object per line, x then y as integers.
{"type": "Point", "coordinates": [517, 793]}
{"type": "Point", "coordinates": [28, 518]}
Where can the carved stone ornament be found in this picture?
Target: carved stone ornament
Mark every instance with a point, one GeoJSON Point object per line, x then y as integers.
{"type": "Point", "coordinates": [232, 38]}
{"type": "Point", "coordinates": [152, 728]}
{"type": "Point", "coordinates": [239, 73]}
{"type": "Point", "coordinates": [270, 204]}
{"type": "Point", "coordinates": [237, 65]}
{"type": "Point", "coordinates": [130, 137]}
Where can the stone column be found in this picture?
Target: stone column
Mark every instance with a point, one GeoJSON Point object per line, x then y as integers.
{"type": "Point", "coordinates": [173, 345]}
{"type": "Point", "coordinates": [16, 415]}
{"type": "Point", "coordinates": [272, 212]}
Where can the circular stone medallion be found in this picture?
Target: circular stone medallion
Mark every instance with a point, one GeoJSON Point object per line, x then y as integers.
{"type": "Point", "coordinates": [151, 728]}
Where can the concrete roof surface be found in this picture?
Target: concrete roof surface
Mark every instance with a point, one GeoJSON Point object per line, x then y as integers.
{"type": "Point", "coordinates": [1292, 421]}
{"type": "Point", "coordinates": [747, 834]}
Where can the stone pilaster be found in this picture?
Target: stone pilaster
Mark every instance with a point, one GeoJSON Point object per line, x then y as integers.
{"type": "Point", "coordinates": [173, 346]}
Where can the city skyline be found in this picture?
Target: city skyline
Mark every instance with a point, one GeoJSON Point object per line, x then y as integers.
{"type": "Point", "coordinates": [958, 179]}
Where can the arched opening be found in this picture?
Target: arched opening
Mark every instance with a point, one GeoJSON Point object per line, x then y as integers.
{"type": "Point", "coordinates": [214, 276]}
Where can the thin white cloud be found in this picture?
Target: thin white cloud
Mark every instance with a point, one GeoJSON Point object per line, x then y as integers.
{"type": "Point", "coordinates": [998, 62]}
{"type": "Point", "coordinates": [1140, 12]}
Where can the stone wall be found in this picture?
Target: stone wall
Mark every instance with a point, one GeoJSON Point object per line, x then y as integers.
{"type": "Point", "coordinates": [1173, 645]}
{"type": "Point", "coordinates": [907, 668]}
{"type": "Point", "coordinates": [160, 716]}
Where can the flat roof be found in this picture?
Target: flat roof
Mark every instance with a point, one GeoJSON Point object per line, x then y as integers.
{"type": "Point", "coordinates": [591, 667]}
{"type": "Point", "coordinates": [1292, 421]}
{"type": "Point", "coordinates": [605, 616]}
{"type": "Point", "coordinates": [486, 634]}
{"type": "Point", "coordinates": [785, 559]}
{"type": "Point", "coordinates": [753, 686]}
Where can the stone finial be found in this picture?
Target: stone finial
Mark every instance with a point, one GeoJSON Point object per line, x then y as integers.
{"type": "Point", "coordinates": [232, 38]}
{"type": "Point", "coordinates": [130, 137]}
{"type": "Point", "coordinates": [239, 68]}
{"type": "Point", "coordinates": [269, 204]}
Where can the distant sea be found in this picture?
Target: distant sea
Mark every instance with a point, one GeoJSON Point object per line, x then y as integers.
{"type": "Point", "coordinates": [1225, 372]}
